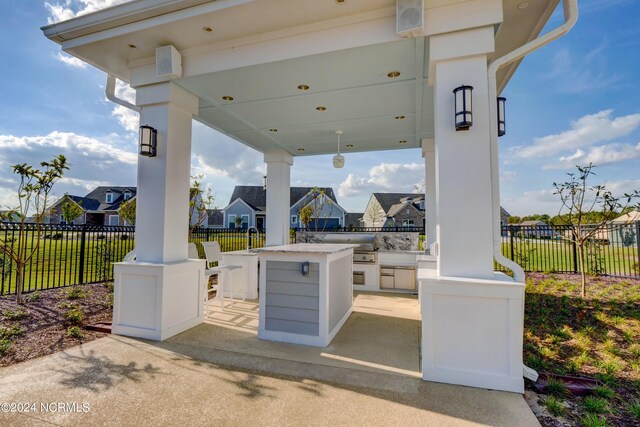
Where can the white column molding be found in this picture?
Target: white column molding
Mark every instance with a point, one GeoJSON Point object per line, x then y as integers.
{"type": "Point", "coordinates": [161, 293]}
{"type": "Point", "coordinates": [428, 152]}
{"type": "Point", "coordinates": [463, 166]}
{"type": "Point", "coordinates": [163, 181]}
{"type": "Point", "coordinates": [278, 196]}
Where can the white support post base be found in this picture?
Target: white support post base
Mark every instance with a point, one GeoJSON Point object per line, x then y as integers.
{"type": "Point", "coordinates": [472, 331]}
{"type": "Point", "coordinates": [157, 301]}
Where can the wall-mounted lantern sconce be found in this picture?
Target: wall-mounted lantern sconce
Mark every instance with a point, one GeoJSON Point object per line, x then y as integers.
{"type": "Point", "coordinates": [148, 141]}
{"type": "Point", "coordinates": [502, 126]}
{"type": "Point", "coordinates": [464, 116]}
{"type": "Point", "coordinates": [338, 159]}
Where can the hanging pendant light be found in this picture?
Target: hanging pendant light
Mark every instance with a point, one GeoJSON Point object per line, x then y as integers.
{"type": "Point", "coordinates": [338, 159]}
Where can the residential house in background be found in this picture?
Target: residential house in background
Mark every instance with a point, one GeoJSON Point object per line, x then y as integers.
{"type": "Point", "coordinates": [354, 219]}
{"type": "Point", "coordinates": [395, 210]}
{"type": "Point", "coordinates": [215, 218]}
{"type": "Point", "coordinates": [535, 229]}
{"type": "Point", "coordinates": [625, 229]}
{"type": "Point", "coordinates": [100, 207]}
{"type": "Point", "coordinates": [249, 203]}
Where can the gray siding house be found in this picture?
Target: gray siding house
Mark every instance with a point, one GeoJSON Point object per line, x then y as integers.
{"type": "Point", "coordinates": [248, 202]}
{"type": "Point", "coordinates": [100, 207]}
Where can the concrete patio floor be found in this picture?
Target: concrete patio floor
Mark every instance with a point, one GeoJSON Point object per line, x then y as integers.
{"type": "Point", "coordinates": [381, 335]}
{"type": "Point", "coordinates": [180, 382]}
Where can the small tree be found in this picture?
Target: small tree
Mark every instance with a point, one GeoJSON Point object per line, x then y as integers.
{"type": "Point", "coordinates": [128, 211]}
{"type": "Point", "coordinates": [375, 213]}
{"type": "Point", "coordinates": [313, 206]}
{"type": "Point", "coordinates": [70, 209]}
{"type": "Point", "coordinates": [579, 201]}
{"type": "Point", "coordinates": [201, 199]}
{"type": "Point", "coordinates": [34, 188]}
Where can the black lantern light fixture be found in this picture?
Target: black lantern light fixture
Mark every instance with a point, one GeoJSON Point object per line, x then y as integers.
{"type": "Point", "coordinates": [464, 115]}
{"type": "Point", "coordinates": [502, 126]}
{"type": "Point", "coordinates": [148, 141]}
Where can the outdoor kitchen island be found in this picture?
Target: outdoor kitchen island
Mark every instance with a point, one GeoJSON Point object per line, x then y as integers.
{"type": "Point", "coordinates": [306, 292]}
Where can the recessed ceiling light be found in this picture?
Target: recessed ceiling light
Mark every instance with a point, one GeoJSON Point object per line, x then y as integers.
{"type": "Point", "coordinates": [393, 74]}
{"type": "Point", "coordinates": [303, 87]}
{"type": "Point", "coordinates": [321, 108]}
{"type": "Point", "coordinates": [273, 130]}
{"type": "Point", "coordinates": [524, 5]}
{"type": "Point", "coordinates": [340, 1]}
{"type": "Point", "coordinates": [227, 98]}
{"type": "Point", "coordinates": [207, 29]}
{"type": "Point", "coordinates": [402, 142]}
{"type": "Point", "coordinates": [349, 145]}
{"type": "Point", "coordinates": [400, 117]}
{"type": "Point", "coordinates": [300, 149]}
{"type": "Point", "coordinates": [132, 46]}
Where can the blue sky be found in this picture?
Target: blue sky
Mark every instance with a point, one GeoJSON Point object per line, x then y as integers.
{"type": "Point", "coordinates": [574, 101]}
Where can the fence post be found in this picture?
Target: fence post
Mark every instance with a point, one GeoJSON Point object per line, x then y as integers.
{"type": "Point", "coordinates": [83, 239]}
{"type": "Point", "coordinates": [511, 243]}
{"type": "Point", "coordinates": [207, 233]}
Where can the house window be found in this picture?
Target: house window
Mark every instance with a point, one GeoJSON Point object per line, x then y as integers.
{"type": "Point", "coordinates": [407, 222]}
{"type": "Point", "coordinates": [422, 204]}
{"type": "Point", "coordinates": [127, 195]}
{"type": "Point", "coordinates": [62, 220]}
{"type": "Point", "coordinates": [108, 197]}
{"type": "Point", "coordinates": [114, 219]}
{"type": "Point", "coordinates": [294, 219]}
{"type": "Point", "coordinates": [232, 221]}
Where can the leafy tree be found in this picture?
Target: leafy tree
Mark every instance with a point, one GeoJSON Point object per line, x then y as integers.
{"type": "Point", "coordinates": [514, 220]}
{"type": "Point", "coordinates": [201, 199]}
{"type": "Point", "coordinates": [70, 209]}
{"type": "Point", "coordinates": [580, 200]}
{"type": "Point", "coordinates": [128, 211]}
{"type": "Point", "coordinates": [34, 189]}
{"type": "Point", "coordinates": [237, 221]}
{"type": "Point", "coordinates": [375, 214]}
{"type": "Point", "coordinates": [313, 206]}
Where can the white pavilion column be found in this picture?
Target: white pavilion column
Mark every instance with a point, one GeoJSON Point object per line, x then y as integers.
{"type": "Point", "coordinates": [463, 166]}
{"type": "Point", "coordinates": [161, 293]}
{"type": "Point", "coordinates": [428, 152]}
{"type": "Point", "coordinates": [278, 196]}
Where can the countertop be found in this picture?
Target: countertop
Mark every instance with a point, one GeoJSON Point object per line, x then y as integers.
{"type": "Point", "coordinates": [307, 248]}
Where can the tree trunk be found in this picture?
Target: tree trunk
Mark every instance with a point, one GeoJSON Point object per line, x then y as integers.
{"type": "Point", "coordinates": [583, 273]}
{"type": "Point", "coordinates": [19, 282]}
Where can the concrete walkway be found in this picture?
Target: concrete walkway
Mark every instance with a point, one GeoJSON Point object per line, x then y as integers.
{"type": "Point", "coordinates": [130, 382]}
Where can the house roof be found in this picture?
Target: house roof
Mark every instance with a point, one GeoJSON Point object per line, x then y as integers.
{"type": "Point", "coordinates": [353, 219]}
{"type": "Point", "coordinates": [633, 216]}
{"type": "Point", "coordinates": [99, 195]}
{"type": "Point", "coordinates": [387, 200]}
{"type": "Point", "coordinates": [503, 212]}
{"type": "Point", "coordinates": [256, 196]}
{"type": "Point", "coordinates": [215, 218]}
{"type": "Point", "coordinates": [398, 207]}
{"type": "Point", "coordinates": [532, 222]}
{"type": "Point", "coordinates": [85, 203]}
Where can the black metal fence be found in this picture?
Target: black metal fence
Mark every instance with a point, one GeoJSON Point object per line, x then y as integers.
{"type": "Point", "coordinates": [79, 254]}
{"type": "Point", "coordinates": [612, 249]}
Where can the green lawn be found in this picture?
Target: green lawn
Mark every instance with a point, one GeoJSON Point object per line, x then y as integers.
{"type": "Point", "coordinates": [557, 256]}
{"type": "Point", "coordinates": [594, 337]}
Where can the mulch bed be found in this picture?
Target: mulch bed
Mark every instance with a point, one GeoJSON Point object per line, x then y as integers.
{"type": "Point", "coordinates": [43, 327]}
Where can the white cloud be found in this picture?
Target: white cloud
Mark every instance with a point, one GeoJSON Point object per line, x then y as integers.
{"type": "Point", "coordinates": [71, 61]}
{"type": "Point", "coordinates": [533, 202]}
{"type": "Point", "coordinates": [586, 131]}
{"type": "Point", "coordinates": [391, 177]}
{"type": "Point", "coordinates": [601, 155]}
{"type": "Point", "coordinates": [128, 119]}
{"type": "Point", "coordinates": [216, 155]}
{"type": "Point", "coordinates": [508, 175]}
{"type": "Point", "coordinates": [92, 161]}
{"type": "Point", "coordinates": [62, 10]}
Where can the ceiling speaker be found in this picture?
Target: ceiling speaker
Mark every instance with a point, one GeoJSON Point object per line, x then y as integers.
{"type": "Point", "coordinates": [409, 17]}
{"type": "Point", "coordinates": [168, 62]}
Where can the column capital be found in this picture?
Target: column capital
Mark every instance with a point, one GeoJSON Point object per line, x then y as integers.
{"type": "Point", "coordinates": [278, 156]}
{"type": "Point", "coordinates": [428, 146]}
{"type": "Point", "coordinates": [167, 93]}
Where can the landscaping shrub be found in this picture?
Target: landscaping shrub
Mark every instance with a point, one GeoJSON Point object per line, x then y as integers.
{"type": "Point", "coordinates": [5, 344]}
{"type": "Point", "coordinates": [556, 388]}
{"type": "Point", "coordinates": [634, 408]}
{"type": "Point", "coordinates": [592, 420]}
{"type": "Point", "coordinates": [10, 332]}
{"type": "Point", "coordinates": [74, 316]}
{"type": "Point", "coordinates": [75, 332]}
{"type": "Point", "coordinates": [75, 292]}
{"type": "Point", "coordinates": [124, 237]}
{"type": "Point", "coordinates": [595, 405]}
{"type": "Point", "coordinates": [555, 406]}
{"type": "Point", "coordinates": [32, 296]}
{"type": "Point", "coordinates": [14, 314]}
{"type": "Point", "coordinates": [604, 392]}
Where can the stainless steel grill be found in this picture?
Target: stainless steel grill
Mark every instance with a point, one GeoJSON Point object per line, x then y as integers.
{"type": "Point", "coordinates": [365, 253]}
